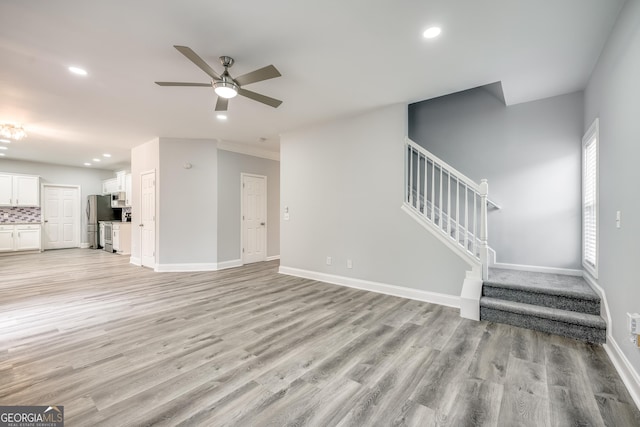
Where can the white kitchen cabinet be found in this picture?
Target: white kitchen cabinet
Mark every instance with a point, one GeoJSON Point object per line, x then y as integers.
{"type": "Point", "coordinates": [122, 237]}
{"type": "Point", "coordinates": [6, 190]}
{"type": "Point", "coordinates": [21, 237]}
{"type": "Point", "coordinates": [127, 189]}
{"type": "Point", "coordinates": [27, 237]}
{"type": "Point", "coordinates": [121, 180]}
{"type": "Point", "coordinates": [6, 238]}
{"type": "Point", "coordinates": [110, 186]}
{"type": "Point", "coordinates": [19, 190]}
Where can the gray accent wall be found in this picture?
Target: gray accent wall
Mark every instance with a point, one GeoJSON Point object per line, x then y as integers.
{"type": "Point", "coordinates": [89, 180]}
{"type": "Point", "coordinates": [230, 166]}
{"type": "Point", "coordinates": [531, 155]}
{"type": "Point", "coordinates": [187, 201]}
{"type": "Point", "coordinates": [343, 185]}
{"type": "Point", "coordinates": [612, 96]}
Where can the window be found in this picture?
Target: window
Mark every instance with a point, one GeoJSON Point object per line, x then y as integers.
{"type": "Point", "coordinates": [590, 199]}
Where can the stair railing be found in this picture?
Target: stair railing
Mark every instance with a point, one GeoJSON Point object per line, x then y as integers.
{"type": "Point", "coordinates": [453, 205]}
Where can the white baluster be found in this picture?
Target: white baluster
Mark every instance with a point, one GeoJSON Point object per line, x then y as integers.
{"type": "Point", "coordinates": [433, 192]}
{"type": "Point", "coordinates": [418, 181]}
{"type": "Point", "coordinates": [475, 225]}
{"type": "Point", "coordinates": [457, 211]}
{"type": "Point", "coordinates": [424, 187]}
{"type": "Point", "coordinates": [484, 230]}
{"type": "Point", "coordinates": [449, 204]}
{"type": "Point", "coordinates": [466, 218]}
{"type": "Point", "coordinates": [411, 177]}
{"type": "Point", "coordinates": [440, 205]}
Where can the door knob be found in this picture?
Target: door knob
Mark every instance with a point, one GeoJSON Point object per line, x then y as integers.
{"type": "Point", "coordinates": [262, 223]}
{"type": "Point", "coordinates": [141, 225]}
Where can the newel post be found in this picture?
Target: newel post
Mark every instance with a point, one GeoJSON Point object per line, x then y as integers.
{"type": "Point", "coordinates": [484, 229]}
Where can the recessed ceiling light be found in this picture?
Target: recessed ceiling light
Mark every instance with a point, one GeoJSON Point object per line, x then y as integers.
{"type": "Point", "coordinates": [106, 155]}
{"type": "Point", "coordinates": [3, 147]}
{"type": "Point", "coordinates": [432, 32]}
{"type": "Point", "coordinates": [78, 71]}
{"type": "Point", "coordinates": [87, 164]}
{"type": "Point", "coordinates": [96, 160]}
{"type": "Point", "coordinates": [222, 117]}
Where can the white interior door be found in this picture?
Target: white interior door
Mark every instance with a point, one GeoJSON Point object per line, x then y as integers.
{"type": "Point", "coordinates": [61, 217]}
{"type": "Point", "coordinates": [254, 218]}
{"type": "Point", "coordinates": [148, 219]}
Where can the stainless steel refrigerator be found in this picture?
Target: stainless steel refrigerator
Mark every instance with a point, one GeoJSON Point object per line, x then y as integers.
{"type": "Point", "coordinates": [98, 209]}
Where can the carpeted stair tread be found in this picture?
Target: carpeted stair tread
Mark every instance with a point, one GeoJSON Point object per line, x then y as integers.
{"type": "Point", "coordinates": [565, 316]}
{"type": "Point", "coordinates": [543, 283]}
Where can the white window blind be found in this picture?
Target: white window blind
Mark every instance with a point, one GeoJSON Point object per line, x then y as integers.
{"type": "Point", "coordinates": [590, 199]}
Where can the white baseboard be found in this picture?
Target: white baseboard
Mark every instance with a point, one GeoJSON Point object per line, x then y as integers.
{"type": "Point", "coordinates": [381, 288]}
{"type": "Point", "coordinates": [135, 261]}
{"type": "Point", "coordinates": [272, 257]}
{"type": "Point", "coordinates": [84, 245]}
{"type": "Point", "coordinates": [629, 376]}
{"type": "Point", "coordinates": [163, 268]}
{"type": "Point", "coordinates": [229, 264]}
{"type": "Point", "coordinates": [604, 306]}
{"type": "Point", "coordinates": [538, 269]}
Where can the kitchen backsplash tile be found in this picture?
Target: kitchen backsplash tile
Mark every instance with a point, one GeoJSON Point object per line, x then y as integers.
{"type": "Point", "coordinates": [126, 213]}
{"type": "Point", "coordinates": [11, 215]}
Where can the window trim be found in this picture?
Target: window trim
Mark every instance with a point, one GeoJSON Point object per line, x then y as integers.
{"type": "Point", "coordinates": [592, 132]}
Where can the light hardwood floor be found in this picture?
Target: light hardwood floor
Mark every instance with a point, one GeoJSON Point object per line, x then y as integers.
{"type": "Point", "coordinates": [120, 345]}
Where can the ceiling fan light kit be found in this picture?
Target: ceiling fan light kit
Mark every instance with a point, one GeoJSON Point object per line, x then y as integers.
{"type": "Point", "coordinates": [225, 88]}
{"type": "Point", "coordinates": [224, 85]}
{"type": "Point", "coordinates": [12, 132]}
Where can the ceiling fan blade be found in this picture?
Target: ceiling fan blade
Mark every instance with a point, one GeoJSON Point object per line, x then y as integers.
{"type": "Point", "coordinates": [221, 104]}
{"type": "Point", "coordinates": [183, 84]}
{"type": "Point", "coordinates": [264, 73]}
{"type": "Point", "coordinates": [193, 57]}
{"type": "Point", "coordinates": [275, 103]}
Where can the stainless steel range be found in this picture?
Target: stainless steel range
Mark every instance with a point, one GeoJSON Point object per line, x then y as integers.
{"type": "Point", "coordinates": [108, 236]}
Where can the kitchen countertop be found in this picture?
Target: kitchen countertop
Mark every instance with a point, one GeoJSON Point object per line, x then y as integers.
{"type": "Point", "coordinates": [20, 223]}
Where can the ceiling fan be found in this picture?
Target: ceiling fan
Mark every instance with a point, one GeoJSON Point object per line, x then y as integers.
{"type": "Point", "coordinates": [225, 86]}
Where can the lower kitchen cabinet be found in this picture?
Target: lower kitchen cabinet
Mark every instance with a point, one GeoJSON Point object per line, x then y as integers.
{"type": "Point", "coordinates": [122, 237]}
{"type": "Point", "coordinates": [6, 238]}
{"type": "Point", "coordinates": [21, 237]}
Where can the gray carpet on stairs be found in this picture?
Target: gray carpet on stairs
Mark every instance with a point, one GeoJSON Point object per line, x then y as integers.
{"type": "Point", "coordinates": [553, 303]}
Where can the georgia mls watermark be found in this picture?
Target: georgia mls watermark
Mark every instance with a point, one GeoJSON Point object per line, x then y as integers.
{"type": "Point", "coordinates": [31, 416]}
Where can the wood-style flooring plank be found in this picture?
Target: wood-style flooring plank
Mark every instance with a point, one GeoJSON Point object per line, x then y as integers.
{"type": "Point", "coordinates": [120, 345]}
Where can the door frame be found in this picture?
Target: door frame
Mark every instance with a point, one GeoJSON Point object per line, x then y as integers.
{"type": "Point", "coordinates": [155, 220]}
{"type": "Point", "coordinates": [266, 219]}
{"type": "Point", "coordinates": [43, 208]}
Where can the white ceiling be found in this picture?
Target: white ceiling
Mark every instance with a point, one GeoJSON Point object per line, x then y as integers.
{"type": "Point", "coordinates": [337, 58]}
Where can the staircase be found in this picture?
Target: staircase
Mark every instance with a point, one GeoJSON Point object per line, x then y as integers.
{"type": "Point", "coordinates": [552, 303]}
{"type": "Point", "coordinates": [454, 208]}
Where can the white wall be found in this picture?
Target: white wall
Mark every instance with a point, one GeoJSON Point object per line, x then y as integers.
{"type": "Point", "coordinates": [612, 95]}
{"type": "Point", "coordinates": [230, 166]}
{"type": "Point", "coordinates": [529, 152]}
{"type": "Point", "coordinates": [89, 180]}
{"type": "Point", "coordinates": [187, 202]}
{"type": "Point", "coordinates": [343, 184]}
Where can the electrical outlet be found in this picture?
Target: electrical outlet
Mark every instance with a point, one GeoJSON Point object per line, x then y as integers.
{"type": "Point", "coordinates": [618, 219]}
{"type": "Point", "coordinates": [349, 263]}
{"type": "Point", "coordinates": [328, 260]}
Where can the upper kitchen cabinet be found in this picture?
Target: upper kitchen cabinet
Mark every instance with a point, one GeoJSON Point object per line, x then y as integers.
{"type": "Point", "coordinates": [127, 189]}
{"type": "Point", "coordinates": [110, 186]}
{"type": "Point", "coordinates": [121, 178]}
{"type": "Point", "coordinates": [19, 190]}
{"type": "Point", "coordinates": [115, 185]}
